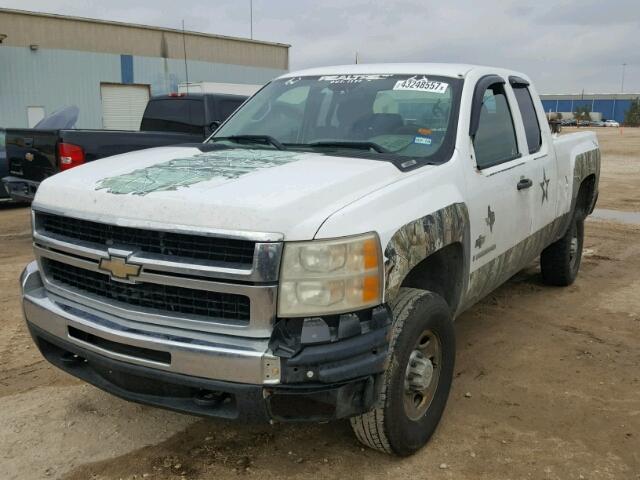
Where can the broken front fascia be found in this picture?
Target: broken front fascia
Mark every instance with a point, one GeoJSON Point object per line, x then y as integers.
{"type": "Point", "coordinates": [332, 349]}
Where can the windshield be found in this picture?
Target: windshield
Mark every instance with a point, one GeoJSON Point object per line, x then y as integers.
{"type": "Point", "coordinates": [383, 116]}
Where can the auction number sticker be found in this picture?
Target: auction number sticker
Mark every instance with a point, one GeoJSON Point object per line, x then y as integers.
{"type": "Point", "coordinates": [421, 85]}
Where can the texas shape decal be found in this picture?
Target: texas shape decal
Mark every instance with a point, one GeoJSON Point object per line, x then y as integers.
{"type": "Point", "coordinates": [183, 172]}
{"type": "Point", "coordinates": [544, 184]}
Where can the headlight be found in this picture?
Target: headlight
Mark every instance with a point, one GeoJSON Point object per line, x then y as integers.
{"type": "Point", "coordinates": [324, 277]}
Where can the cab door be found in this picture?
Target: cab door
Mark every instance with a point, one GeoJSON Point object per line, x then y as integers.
{"type": "Point", "coordinates": [539, 155]}
{"type": "Point", "coordinates": [498, 186]}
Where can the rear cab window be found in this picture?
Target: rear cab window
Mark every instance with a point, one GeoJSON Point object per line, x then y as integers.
{"type": "Point", "coordinates": [220, 107]}
{"type": "Point", "coordinates": [529, 116]}
{"type": "Point", "coordinates": [185, 115]}
{"type": "Point", "coordinates": [227, 107]}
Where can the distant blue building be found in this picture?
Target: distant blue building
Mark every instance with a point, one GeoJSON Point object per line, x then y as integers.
{"type": "Point", "coordinates": [612, 106]}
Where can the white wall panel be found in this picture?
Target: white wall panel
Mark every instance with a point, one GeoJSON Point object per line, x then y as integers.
{"type": "Point", "coordinates": [53, 79]}
{"type": "Point", "coordinates": [57, 78]}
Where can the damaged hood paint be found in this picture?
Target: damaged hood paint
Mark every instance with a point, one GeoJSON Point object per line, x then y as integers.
{"type": "Point", "coordinates": [256, 190]}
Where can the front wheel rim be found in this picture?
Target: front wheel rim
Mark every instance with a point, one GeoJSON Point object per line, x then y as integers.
{"type": "Point", "coordinates": [422, 375]}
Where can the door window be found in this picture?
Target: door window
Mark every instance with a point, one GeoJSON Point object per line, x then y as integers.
{"type": "Point", "coordinates": [529, 118]}
{"type": "Point", "coordinates": [495, 140]}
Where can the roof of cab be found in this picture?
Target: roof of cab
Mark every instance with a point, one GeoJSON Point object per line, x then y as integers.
{"type": "Point", "coordinates": [459, 70]}
{"type": "Point", "coordinates": [441, 69]}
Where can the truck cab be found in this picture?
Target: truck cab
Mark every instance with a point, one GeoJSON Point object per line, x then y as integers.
{"type": "Point", "coordinates": [307, 261]}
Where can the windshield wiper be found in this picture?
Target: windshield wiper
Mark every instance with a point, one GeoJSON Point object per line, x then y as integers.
{"type": "Point", "coordinates": [265, 139]}
{"type": "Point", "coordinates": [360, 145]}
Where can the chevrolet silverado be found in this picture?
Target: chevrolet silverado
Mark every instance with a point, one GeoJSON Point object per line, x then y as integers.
{"type": "Point", "coordinates": [307, 261]}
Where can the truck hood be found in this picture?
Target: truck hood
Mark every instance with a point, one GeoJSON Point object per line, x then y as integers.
{"type": "Point", "coordinates": [255, 190]}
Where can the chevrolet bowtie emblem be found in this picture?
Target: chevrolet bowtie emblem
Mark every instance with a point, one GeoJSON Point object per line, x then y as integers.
{"type": "Point", "coordinates": [119, 268]}
{"type": "Point", "coordinates": [29, 157]}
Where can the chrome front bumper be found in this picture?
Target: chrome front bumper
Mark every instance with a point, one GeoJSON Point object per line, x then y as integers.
{"type": "Point", "coordinates": [205, 355]}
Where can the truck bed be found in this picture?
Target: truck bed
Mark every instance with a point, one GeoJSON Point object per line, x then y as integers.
{"type": "Point", "coordinates": [32, 154]}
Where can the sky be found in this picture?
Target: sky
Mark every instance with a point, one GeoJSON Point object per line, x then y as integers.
{"type": "Point", "coordinates": [565, 46]}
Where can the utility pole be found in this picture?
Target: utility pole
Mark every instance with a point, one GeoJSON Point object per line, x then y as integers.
{"type": "Point", "coordinates": [251, 17]}
{"type": "Point", "coordinates": [184, 48]}
{"type": "Point", "coordinates": [624, 65]}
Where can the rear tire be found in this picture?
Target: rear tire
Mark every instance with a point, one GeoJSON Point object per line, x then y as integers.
{"type": "Point", "coordinates": [418, 378]}
{"type": "Point", "coordinates": [560, 261]}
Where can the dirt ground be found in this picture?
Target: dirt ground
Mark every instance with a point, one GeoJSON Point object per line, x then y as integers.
{"type": "Point", "coordinates": [547, 385]}
{"type": "Point", "coordinates": [620, 178]}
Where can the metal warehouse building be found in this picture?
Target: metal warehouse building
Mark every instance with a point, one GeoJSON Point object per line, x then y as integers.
{"type": "Point", "coordinates": [109, 69]}
{"type": "Point", "coordinates": [612, 106]}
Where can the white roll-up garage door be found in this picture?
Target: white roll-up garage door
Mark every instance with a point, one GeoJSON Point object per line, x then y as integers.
{"type": "Point", "coordinates": [123, 105]}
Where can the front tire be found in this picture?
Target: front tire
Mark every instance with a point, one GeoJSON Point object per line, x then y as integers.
{"type": "Point", "coordinates": [418, 378]}
{"type": "Point", "coordinates": [560, 261]}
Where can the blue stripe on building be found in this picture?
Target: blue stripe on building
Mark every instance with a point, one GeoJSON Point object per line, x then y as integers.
{"type": "Point", "coordinates": [126, 68]}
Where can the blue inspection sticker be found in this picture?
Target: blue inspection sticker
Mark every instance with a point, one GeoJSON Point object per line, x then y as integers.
{"type": "Point", "coordinates": [422, 140]}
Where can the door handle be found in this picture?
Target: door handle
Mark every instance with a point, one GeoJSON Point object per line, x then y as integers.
{"type": "Point", "coordinates": [524, 183]}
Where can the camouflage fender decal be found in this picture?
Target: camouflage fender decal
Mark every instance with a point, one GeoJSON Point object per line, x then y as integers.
{"type": "Point", "coordinates": [418, 239]}
{"type": "Point", "coordinates": [587, 163]}
{"type": "Point", "coordinates": [183, 172]}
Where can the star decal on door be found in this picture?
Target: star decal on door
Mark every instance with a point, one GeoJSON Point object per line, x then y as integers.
{"type": "Point", "coordinates": [544, 184]}
{"type": "Point", "coordinates": [491, 218]}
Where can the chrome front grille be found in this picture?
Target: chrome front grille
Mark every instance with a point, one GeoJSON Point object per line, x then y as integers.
{"type": "Point", "coordinates": [170, 244]}
{"type": "Point", "coordinates": [157, 297]}
{"type": "Point", "coordinates": [171, 288]}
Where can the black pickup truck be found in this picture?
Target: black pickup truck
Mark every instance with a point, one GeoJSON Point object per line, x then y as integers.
{"type": "Point", "coordinates": [35, 154]}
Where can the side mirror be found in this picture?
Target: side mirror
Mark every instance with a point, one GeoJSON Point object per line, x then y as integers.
{"type": "Point", "coordinates": [213, 126]}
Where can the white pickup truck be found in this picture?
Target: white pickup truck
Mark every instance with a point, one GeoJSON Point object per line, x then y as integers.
{"type": "Point", "coordinates": [306, 262]}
